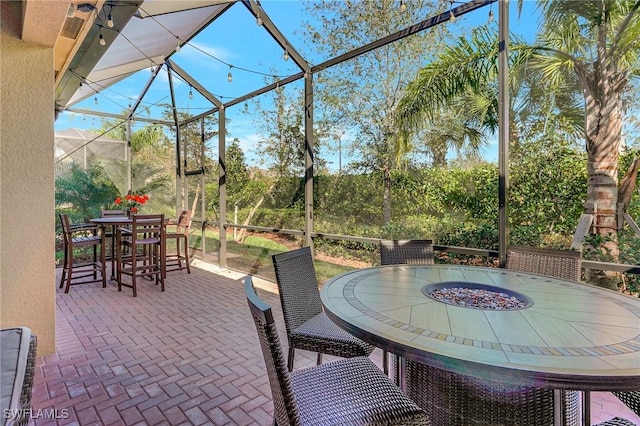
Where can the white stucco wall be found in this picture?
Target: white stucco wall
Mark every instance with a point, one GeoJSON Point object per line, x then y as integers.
{"type": "Point", "coordinates": [27, 275]}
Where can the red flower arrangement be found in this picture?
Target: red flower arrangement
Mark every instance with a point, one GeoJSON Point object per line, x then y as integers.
{"type": "Point", "coordinates": [132, 201]}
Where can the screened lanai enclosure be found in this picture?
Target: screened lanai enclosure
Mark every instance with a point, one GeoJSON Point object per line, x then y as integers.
{"type": "Point", "coordinates": [335, 124]}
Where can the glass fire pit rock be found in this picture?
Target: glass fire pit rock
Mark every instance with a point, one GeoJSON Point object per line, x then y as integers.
{"type": "Point", "coordinates": [477, 296]}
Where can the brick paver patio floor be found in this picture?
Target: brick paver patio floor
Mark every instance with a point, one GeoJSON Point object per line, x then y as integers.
{"type": "Point", "coordinates": [188, 356]}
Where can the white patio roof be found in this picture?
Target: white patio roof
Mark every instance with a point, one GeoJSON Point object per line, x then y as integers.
{"type": "Point", "coordinates": [142, 37]}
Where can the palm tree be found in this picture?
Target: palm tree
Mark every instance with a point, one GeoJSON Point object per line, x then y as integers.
{"type": "Point", "coordinates": [591, 45]}
{"type": "Point", "coordinates": [597, 41]}
{"type": "Point", "coordinates": [463, 81]}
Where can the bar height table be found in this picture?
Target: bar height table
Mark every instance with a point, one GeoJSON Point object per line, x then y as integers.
{"type": "Point", "coordinates": [114, 222]}
{"type": "Point", "coordinates": [570, 336]}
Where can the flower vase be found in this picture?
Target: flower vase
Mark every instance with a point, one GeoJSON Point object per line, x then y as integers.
{"type": "Point", "coordinates": [131, 212]}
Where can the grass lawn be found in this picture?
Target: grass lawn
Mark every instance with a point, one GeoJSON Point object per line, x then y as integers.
{"type": "Point", "coordinates": [254, 255]}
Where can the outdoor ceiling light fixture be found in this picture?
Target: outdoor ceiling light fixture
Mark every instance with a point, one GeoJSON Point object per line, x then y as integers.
{"type": "Point", "coordinates": [102, 40]}
{"type": "Point", "coordinates": [85, 7]}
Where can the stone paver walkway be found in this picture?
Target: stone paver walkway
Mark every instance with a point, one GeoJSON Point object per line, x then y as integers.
{"type": "Point", "coordinates": [188, 356]}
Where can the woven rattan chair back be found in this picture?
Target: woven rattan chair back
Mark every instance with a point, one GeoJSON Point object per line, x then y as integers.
{"type": "Point", "coordinates": [561, 264]}
{"type": "Point", "coordinates": [408, 252]}
{"type": "Point", "coordinates": [298, 287]}
{"type": "Point", "coordinates": [631, 399]}
{"type": "Point", "coordinates": [284, 400]}
{"type": "Point", "coordinates": [402, 252]}
{"type": "Point", "coordinates": [308, 327]}
{"type": "Point", "coordinates": [349, 391]}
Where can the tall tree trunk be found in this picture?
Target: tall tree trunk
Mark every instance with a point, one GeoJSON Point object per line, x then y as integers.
{"type": "Point", "coordinates": [628, 184]}
{"type": "Point", "coordinates": [243, 232]}
{"type": "Point", "coordinates": [386, 195]}
{"type": "Point", "coordinates": [439, 154]}
{"type": "Point", "coordinates": [604, 136]}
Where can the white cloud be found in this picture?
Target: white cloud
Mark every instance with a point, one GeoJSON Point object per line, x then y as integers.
{"type": "Point", "coordinates": [197, 54]}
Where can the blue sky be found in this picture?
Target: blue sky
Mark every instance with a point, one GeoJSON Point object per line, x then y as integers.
{"type": "Point", "coordinates": [254, 57]}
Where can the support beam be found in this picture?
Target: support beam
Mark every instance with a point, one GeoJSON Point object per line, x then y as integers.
{"type": "Point", "coordinates": [179, 169]}
{"type": "Point", "coordinates": [399, 35]}
{"type": "Point", "coordinates": [129, 170]}
{"type": "Point", "coordinates": [150, 81]}
{"type": "Point", "coordinates": [257, 11]}
{"type": "Point", "coordinates": [222, 187]}
{"type": "Point", "coordinates": [503, 131]}
{"type": "Point", "coordinates": [308, 159]}
{"type": "Point", "coordinates": [194, 83]}
{"type": "Point", "coordinates": [121, 117]}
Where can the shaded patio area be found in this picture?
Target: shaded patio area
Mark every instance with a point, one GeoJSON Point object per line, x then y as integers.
{"type": "Point", "coordinates": [188, 356]}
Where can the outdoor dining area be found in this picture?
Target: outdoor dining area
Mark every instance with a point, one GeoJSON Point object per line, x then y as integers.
{"type": "Point", "coordinates": [189, 355]}
{"type": "Point", "coordinates": [467, 289]}
{"type": "Point", "coordinates": [137, 243]}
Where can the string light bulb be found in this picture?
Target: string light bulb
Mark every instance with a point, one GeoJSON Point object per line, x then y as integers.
{"type": "Point", "coordinates": [258, 19]}
{"type": "Point", "coordinates": [178, 46]}
{"type": "Point", "coordinates": [452, 16]}
{"type": "Point", "coordinates": [95, 100]}
{"type": "Point", "coordinates": [190, 93]}
{"type": "Point", "coordinates": [102, 40]}
{"type": "Point", "coordinates": [229, 76]}
{"type": "Point", "coordinates": [403, 6]}
{"type": "Point", "coordinates": [110, 21]}
{"type": "Point", "coordinates": [285, 56]}
{"type": "Point", "coordinates": [246, 107]}
{"type": "Point", "coordinates": [491, 15]}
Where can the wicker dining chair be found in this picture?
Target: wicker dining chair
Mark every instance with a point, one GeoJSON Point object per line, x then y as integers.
{"type": "Point", "coordinates": [350, 391]}
{"type": "Point", "coordinates": [406, 252]}
{"type": "Point", "coordinates": [456, 399]}
{"type": "Point", "coordinates": [75, 271]}
{"type": "Point", "coordinates": [631, 399]}
{"type": "Point", "coordinates": [563, 264]}
{"type": "Point", "coordinates": [308, 327]}
{"type": "Point", "coordinates": [617, 421]}
{"type": "Point", "coordinates": [143, 243]}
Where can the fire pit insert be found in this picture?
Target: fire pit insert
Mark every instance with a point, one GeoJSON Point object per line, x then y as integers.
{"type": "Point", "coordinates": [476, 296]}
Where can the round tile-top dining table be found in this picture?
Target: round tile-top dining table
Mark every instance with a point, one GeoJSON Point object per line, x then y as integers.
{"type": "Point", "coordinates": [560, 335]}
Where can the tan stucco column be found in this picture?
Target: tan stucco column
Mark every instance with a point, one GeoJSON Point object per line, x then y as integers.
{"type": "Point", "coordinates": [27, 275]}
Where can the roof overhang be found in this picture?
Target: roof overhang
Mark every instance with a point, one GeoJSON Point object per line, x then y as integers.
{"type": "Point", "coordinates": [144, 34]}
